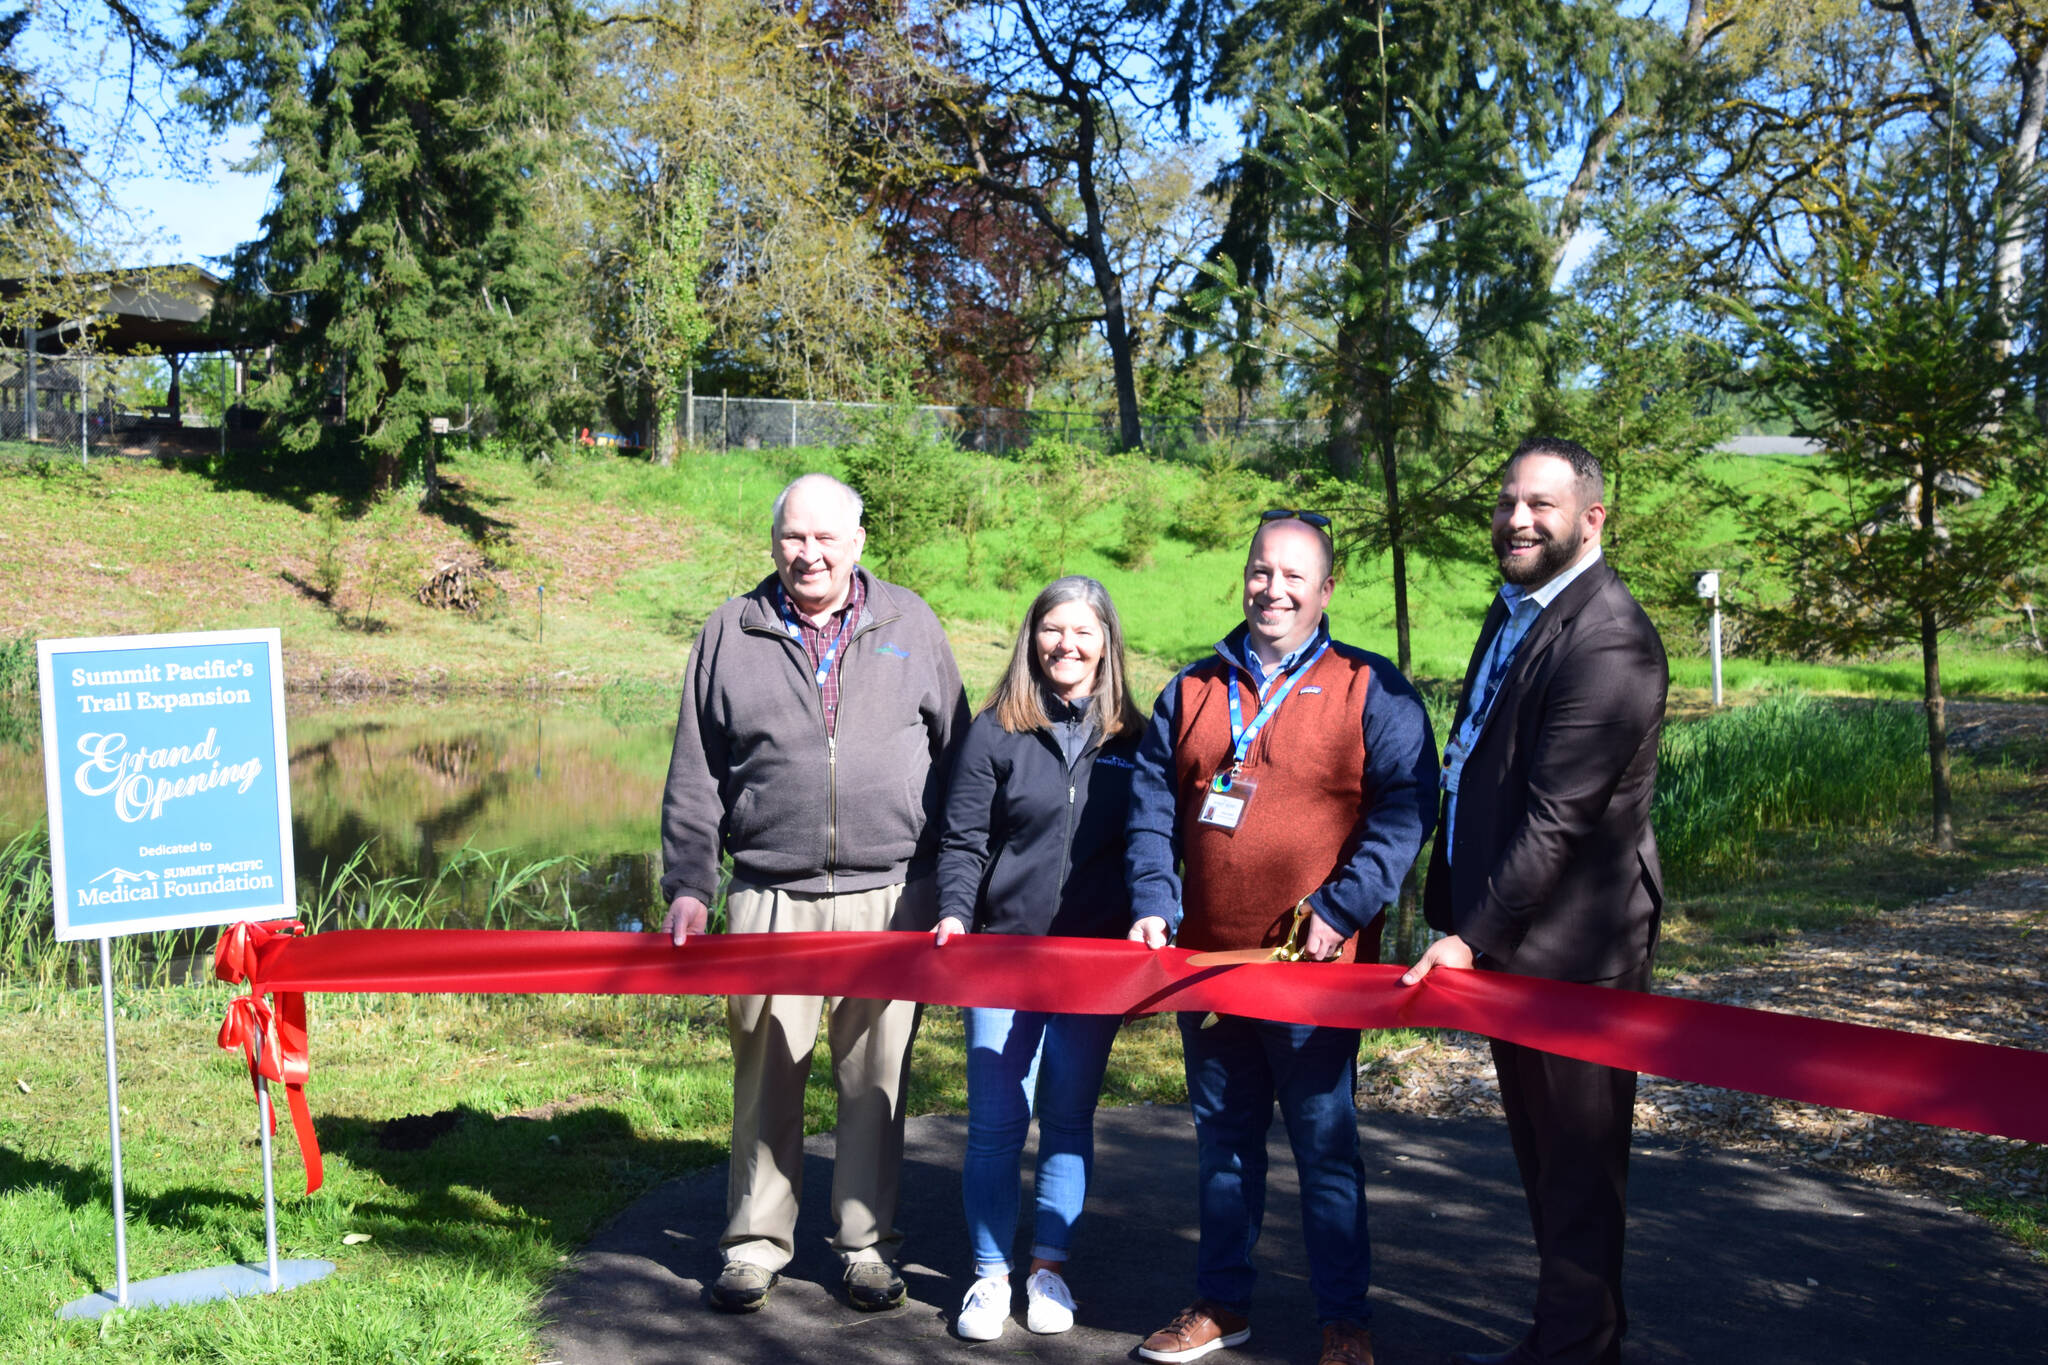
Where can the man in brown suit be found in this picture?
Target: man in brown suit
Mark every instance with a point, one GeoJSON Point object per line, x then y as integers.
{"type": "Point", "coordinates": [1546, 866]}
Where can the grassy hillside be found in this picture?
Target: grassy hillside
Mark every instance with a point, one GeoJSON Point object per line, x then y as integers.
{"type": "Point", "coordinates": [599, 572]}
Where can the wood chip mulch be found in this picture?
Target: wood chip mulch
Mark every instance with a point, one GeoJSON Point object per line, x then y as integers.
{"type": "Point", "coordinates": [1972, 964]}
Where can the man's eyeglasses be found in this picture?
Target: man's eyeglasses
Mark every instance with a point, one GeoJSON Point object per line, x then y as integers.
{"type": "Point", "coordinates": [1315, 519]}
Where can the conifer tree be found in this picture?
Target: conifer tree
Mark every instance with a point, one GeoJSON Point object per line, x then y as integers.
{"type": "Point", "coordinates": [1394, 143]}
{"type": "Point", "coordinates": [406, 249]}
{"type": "Point", "coordinates": [1930, 493]}
{"type": "Point", "coordinates": [1640, 369]}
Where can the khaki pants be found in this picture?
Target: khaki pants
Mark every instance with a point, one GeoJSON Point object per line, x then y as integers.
{"type": "Point", "coordinates": [773, 1037]}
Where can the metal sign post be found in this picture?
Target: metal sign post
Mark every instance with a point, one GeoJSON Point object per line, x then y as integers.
{"type": "Point", "coordinates": [113, 1131]}
{"type": "Point", "coordinates": [164, 764]}
{"type": "Point", "coordinates": [1708, 584]}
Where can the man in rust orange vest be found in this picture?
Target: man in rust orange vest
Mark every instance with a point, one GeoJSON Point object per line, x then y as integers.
{"type": "Point", "coordinates": [1287, 779]}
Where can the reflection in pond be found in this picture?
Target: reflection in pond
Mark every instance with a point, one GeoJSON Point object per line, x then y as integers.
{"type": "Point", "coordinates": [513, 816]}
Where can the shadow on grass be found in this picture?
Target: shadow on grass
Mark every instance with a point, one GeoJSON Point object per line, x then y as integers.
{"type": "Point", "coordinates": [486, 1176]}
{"type": "Point", "coordinates": [81, 1187]}
{"type": "Point", "coordinates": [466, 1170]}
{"type": "Point", "coordinates": [300, 478]}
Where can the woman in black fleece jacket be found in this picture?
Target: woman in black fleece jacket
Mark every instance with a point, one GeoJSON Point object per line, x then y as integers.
{"type": "Point", "coordinates": [1033, 843]}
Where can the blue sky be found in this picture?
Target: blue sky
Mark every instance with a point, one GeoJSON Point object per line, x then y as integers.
{"type": "Point", "coordinates": [202, 213]}
{"type": "Point", "coordinates": [189, 221]}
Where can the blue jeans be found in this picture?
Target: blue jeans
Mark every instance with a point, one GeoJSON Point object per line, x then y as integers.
{"type": "Point", "coordinates": [1236, 1069]}
{"type": "Point", "coordinates": [1012, 1057]}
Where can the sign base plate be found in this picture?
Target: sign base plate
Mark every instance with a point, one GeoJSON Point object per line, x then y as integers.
{"type": "Point", "coordinates": [200, 1286]}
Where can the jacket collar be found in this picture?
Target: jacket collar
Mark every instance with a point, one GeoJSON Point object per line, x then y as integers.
{"type": "Point", "coordinates": [1569, 601]}
{"type": "Point", "coordinates": [1235, 650]}
{"type": "Point", "coordinates": [760, 611]}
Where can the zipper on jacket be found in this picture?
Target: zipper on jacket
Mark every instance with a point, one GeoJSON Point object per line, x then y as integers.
{"type": "Point", "coordinates": [875, 622]}
{"type": "Point", "coordinates": [1067, 830]}
{"type": "Point", "coordinates": [1068, 835]}
{"type": "Point", "coordinates": [831, 807]}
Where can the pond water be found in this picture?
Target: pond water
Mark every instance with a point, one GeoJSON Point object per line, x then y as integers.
{"type": "Point", "coordinates": [417, 791]}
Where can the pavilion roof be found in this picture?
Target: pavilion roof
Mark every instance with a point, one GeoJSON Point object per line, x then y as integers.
{"type": "Point", "coordinates": [147, 309]}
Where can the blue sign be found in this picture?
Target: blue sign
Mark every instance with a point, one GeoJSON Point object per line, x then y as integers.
{"type": "Point", "coordinates": [164, 760]}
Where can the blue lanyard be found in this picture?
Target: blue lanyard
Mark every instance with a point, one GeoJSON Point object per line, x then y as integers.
{"type": "Point", "coordinates": [1242, 735]}
{"type": "Point", "coordinates": [796, 633]}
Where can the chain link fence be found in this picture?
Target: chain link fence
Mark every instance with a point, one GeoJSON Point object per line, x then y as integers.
{"type": "Point", "coordinates": [102, 431]}
{"type": "Point", "coordinates": [722, 423]}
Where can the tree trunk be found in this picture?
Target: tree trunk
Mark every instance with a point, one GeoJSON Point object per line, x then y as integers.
{"type": "Point", "coordinates": [1930, 664]}
{"type": "Point", "coordinates": [2016, 185]}
{"type": "Point", "coordinates": [430, 472]}
{"type": "Point", "coordinates": [1937, 733]}
{"type": "Point", "coordinates": [1397, 542]}
{"type": "Point", "coordinates": [661, 424]}
{"type": "Point", "coordinates": [1110, 285]}
{"type": "Point", "coordinates": [1347, 409]}
{"type": "Point", "coordinates": [1130, 427]}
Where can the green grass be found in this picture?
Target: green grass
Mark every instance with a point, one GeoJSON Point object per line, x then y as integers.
{"type": "Point", "coordinates": [1815, 874]}
{"type": "Point", "coordinates": [1787, 762]}
{"type": "Point", "coordinates": [616, 1095]}
{"type": "Point", "coordinates": [1965, 672]}
{"type": "Point", "coordinates": [2023, 1220]}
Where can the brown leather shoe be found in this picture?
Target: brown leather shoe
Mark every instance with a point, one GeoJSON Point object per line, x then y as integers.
{"type": "Point", "coordinates": [1203, 1326]}
{"type": "Point", "coordinates": [1346, 1343]}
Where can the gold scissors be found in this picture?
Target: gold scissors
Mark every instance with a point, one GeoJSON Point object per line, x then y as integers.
{"type": "Point", "coordinates": [1292, 948]}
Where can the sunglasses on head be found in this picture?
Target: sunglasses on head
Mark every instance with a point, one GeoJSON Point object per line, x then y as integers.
{"type": "Point", "coordinates": [1315, 519]}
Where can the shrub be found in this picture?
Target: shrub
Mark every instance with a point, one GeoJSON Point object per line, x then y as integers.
{"type": "Point", "coordinates": [1063, 475]}
{"type": "Point", "coordinates": [1218, 514]}
{"type": "Point", "coordinates": [909, 475]}
{"type": "Point", "coordinates": [1144, 520]}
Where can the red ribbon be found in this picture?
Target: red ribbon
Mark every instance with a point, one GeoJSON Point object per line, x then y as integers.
{"type": "Point", "coordinates": [275, 1042]}
{"type": "Point", "coordinates": [2002, 1091]}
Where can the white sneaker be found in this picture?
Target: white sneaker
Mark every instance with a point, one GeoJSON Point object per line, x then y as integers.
{"type": "Point", "coordinates": [985, 1310]}
{"type": "Point", "coordinates": [1050, 1305]}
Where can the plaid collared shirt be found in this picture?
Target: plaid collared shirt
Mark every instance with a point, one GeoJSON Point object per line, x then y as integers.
{"type": "Point", "coordinates": [816, 640]}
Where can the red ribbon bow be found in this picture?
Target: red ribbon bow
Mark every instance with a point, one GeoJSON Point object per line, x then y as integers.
{"type": "Point", "coordinates": [274, 1042]}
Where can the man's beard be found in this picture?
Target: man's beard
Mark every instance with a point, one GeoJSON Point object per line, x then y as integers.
{"type": "Point", "coordinates": [1552, 558]}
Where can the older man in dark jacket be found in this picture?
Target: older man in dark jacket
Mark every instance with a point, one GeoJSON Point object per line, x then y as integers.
{"type": "Point", "coordinates": [813, 741]}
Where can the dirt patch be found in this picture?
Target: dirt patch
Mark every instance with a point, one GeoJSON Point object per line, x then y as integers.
{"type": "Point", "coordinates": [1983, 726]}
{"type": "Point", "coordinates": [1972, 964]}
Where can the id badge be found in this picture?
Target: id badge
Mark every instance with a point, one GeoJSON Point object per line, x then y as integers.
{"type": "Point", "coordinates": [1225, 809]}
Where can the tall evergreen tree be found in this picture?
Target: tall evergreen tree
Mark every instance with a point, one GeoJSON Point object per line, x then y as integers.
{"type": "Point", "coordinates": [415, 145]}
{"type": "Point", "coordinates": [1397, 141]}
{"type": "Point", "coordinates": [58, 151]}
{"type": "Point", "coordinates": [38, 170]}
